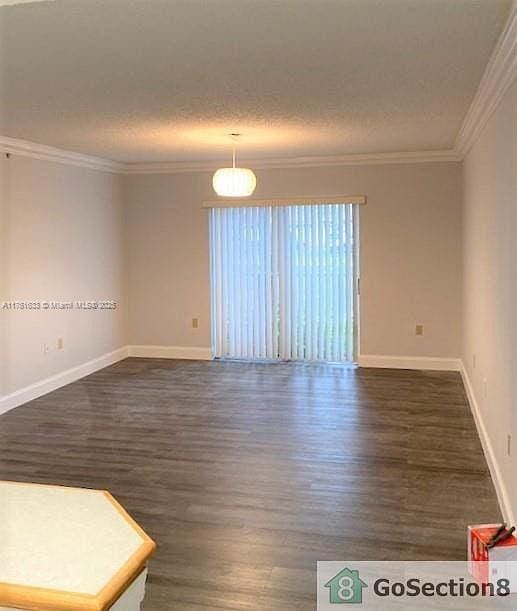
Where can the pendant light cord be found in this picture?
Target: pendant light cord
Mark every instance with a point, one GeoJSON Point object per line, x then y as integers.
{"type": "Point", "coordinates": [234, 136]}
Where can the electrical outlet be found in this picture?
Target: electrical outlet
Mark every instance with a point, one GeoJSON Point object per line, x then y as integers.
{"type": "Point", "coordinates": [60, 343]}
{"type": "Point", "coordinates": [419, 330]}
{"type": "Point", "coordinates": [195, 323]}
{"type": "Point", "coordinates": [509, 445]}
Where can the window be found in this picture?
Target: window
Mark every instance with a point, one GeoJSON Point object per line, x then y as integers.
{"type": "Point", "coordinates": [284, 282]}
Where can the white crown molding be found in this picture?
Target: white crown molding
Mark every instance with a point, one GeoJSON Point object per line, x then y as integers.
{"type": "Point", "coordinates": [499, 75]}
{"type": "Point", "coordinates": [173, 167]}
{"type": "Point", "coordinates": [25, 148]}
{"type": "Point", "coordinates": [12, 2]}
{"type": "Point", "coordinates": [50, 153]}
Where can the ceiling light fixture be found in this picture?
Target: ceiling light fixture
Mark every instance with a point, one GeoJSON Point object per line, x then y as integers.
{"type": "Point", "coordinates": [234, 182]}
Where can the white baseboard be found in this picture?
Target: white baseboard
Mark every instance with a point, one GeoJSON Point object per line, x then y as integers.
{"type": "Point", "coordinates": [495, 471]}
{"type": "Point", "coordinates": [28, 393]}
{"type": "Point", "coordinates": [171, 352]}
{"type": "Point", "coordinates": [409, 362]}
{"type": "Point", "coordinates": [42, 387]}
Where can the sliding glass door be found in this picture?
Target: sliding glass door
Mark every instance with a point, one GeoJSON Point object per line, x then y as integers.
{"type": "Point", "coordinates": [284, 282]}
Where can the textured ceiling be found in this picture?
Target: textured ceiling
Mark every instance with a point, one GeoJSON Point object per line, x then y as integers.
{"type": "Point", "coordinates": [153, 80]}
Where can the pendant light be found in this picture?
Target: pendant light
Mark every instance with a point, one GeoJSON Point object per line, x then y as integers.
{"type": "Point", "coordinates": [234, 182]}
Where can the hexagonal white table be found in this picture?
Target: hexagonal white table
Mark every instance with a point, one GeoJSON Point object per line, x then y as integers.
{"type": "Point", "coordinates": [69, 549]}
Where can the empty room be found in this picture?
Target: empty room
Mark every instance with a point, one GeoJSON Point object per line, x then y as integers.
{"type": "Point", "coordinates": [258, 304]}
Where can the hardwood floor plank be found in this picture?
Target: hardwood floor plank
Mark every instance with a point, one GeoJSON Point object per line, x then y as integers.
{"type": "Point", "coordinates": [246, 474]}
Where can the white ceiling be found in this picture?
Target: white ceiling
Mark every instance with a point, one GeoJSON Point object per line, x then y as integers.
{"type": "Point", "coordinates": [156, 80]}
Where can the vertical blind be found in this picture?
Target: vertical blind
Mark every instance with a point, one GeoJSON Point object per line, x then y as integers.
{"type": "Point", "coordinates": [284, 282]}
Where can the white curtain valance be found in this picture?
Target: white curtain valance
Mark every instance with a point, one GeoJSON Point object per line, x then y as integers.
{"type": "Point", "coordinates": [230, 202]}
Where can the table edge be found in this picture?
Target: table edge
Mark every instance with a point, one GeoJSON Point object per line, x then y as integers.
{"type": "Point", "coordinates": [47, 599]}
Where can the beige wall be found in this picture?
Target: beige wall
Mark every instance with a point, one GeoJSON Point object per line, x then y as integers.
{"type": "Point", "coordinates": [3, 275]}
{"type": "Point", "coordinates": [69, 233]}
{"type": "Point", "coordinates": [61, 231]}
{"type": "Point", "coordinates": [490, 281]}
{"type": "Point", "coordinates": [409, 252]}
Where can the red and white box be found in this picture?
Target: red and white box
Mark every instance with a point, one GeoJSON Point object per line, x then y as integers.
{"type": "Point", "coordinates": [489, 565]}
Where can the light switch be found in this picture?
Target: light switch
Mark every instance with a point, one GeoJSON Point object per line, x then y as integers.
{"type": "Point", "coordinates": [419, 330]}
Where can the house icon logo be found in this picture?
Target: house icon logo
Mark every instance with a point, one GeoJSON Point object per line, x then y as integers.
{"type": "Point", "coordinates": [346, 587]}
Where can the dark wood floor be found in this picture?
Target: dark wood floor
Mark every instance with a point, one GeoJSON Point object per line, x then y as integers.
{"type": "Point", "coordinates": [247, 474]}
